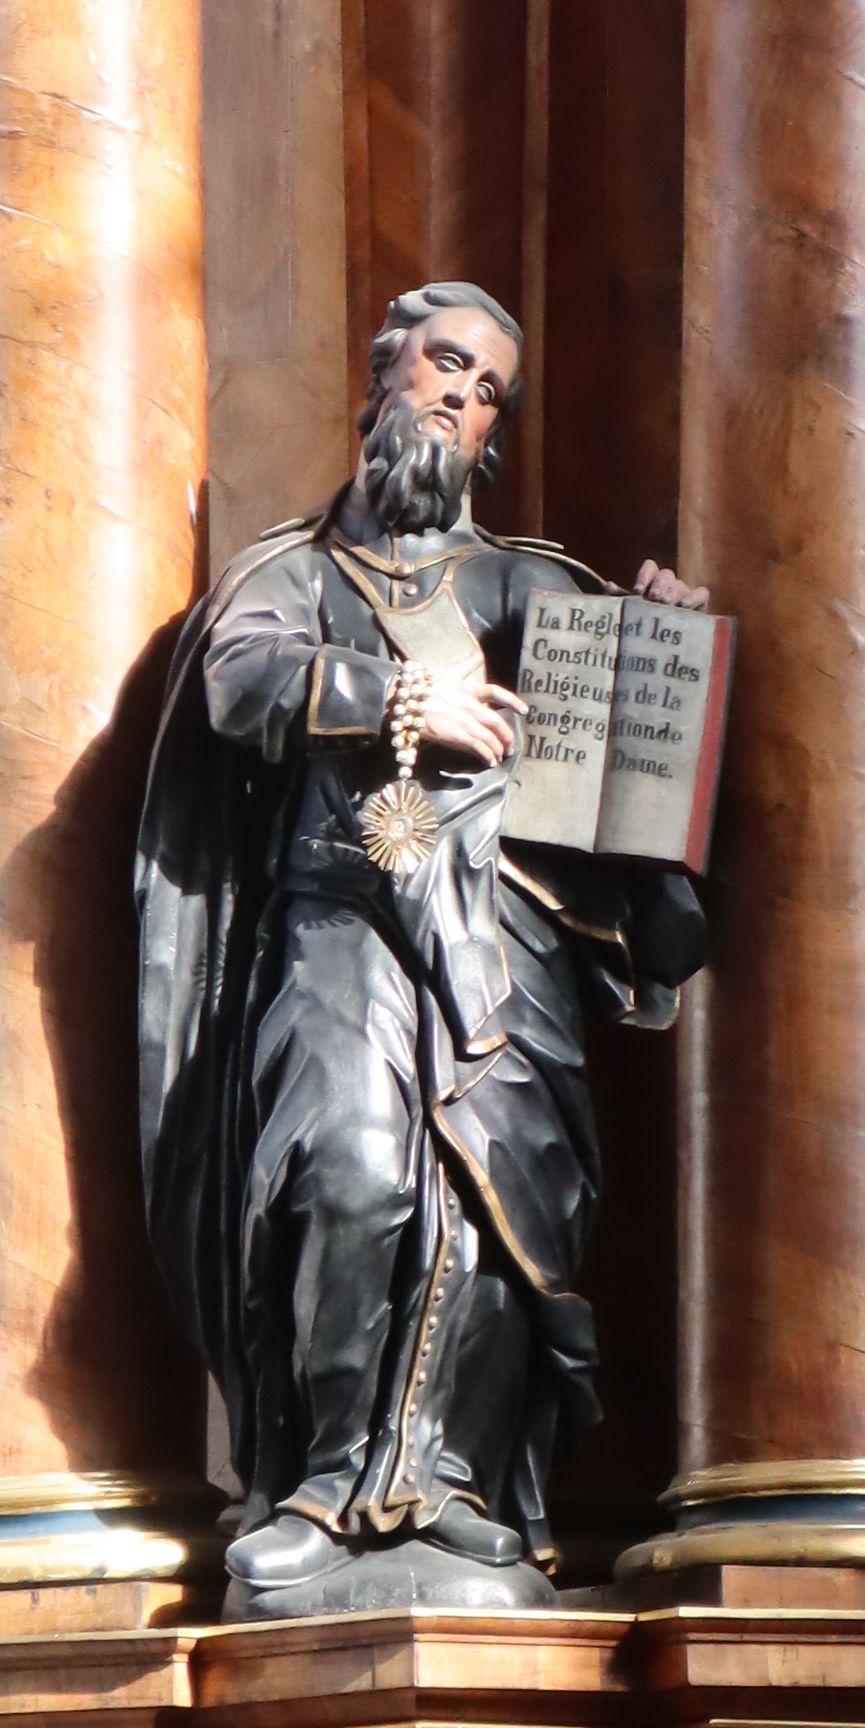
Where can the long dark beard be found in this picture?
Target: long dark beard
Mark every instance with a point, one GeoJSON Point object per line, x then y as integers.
{"type": "Point", "coordinates": [413, 481]}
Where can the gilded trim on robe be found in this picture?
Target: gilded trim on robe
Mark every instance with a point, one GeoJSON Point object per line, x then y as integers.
{"type": "Point", "coordinates": [488, 1195]}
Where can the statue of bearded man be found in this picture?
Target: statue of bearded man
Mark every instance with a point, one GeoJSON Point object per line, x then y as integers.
{"type": "Point", "coordinates": [370, 1157]}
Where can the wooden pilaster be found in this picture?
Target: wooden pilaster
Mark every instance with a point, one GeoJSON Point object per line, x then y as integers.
{"type": "Point", "coordinates": [102, 455]}
{"type": "Point", "coordinates": [772, 1262]}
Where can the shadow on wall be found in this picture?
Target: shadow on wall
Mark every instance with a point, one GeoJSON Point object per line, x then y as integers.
{"type": "Point", "coordinates": [116, 1381]}
{"type": "Point", "coordinates": [604, 1497]}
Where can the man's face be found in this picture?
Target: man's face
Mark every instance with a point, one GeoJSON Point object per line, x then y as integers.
{"type": "Point", "coordinates": [453, 373]}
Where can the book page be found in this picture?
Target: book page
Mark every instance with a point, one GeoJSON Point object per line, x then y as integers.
{"type": "Point", "coordinates": [656, 730]}
{"type": "Point", "coordinates": [567, 672]}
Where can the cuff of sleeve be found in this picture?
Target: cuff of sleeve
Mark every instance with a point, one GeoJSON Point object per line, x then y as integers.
{"type": "Point", "coordinates": [348, 695]}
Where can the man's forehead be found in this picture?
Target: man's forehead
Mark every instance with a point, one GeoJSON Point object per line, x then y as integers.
{"type": "Point", "coordinates": [472, 328]}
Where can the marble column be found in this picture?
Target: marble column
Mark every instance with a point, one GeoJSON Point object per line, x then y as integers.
{"type": "Point", "coordinates": [102, 372]}
{"type": "Point", "coordinates": [772, 1217]}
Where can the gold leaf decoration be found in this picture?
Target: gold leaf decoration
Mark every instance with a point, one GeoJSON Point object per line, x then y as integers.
{"type": "Point", "coordinates": [398, 827]}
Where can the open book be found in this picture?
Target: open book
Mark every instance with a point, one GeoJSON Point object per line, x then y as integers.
{"type": "Point", "coordinates": [627, 708]}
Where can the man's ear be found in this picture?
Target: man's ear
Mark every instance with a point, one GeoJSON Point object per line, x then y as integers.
{"type": "Point", "coordinates": [386, 380]}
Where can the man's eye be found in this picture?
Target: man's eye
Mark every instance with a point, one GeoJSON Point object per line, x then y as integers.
{"type": "Point", "coordinates": [486, 393]}
{"type": "Point", "coordinates": [449, 363]}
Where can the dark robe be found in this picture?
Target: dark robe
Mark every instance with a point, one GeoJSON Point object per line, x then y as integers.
{"type": "Point", "coordinates": [369, 1149]}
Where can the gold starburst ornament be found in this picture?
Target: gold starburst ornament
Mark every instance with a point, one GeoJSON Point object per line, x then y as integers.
{"type": "Point", "coordinates": [398, 827]}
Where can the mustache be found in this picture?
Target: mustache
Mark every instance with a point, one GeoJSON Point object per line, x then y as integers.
{"type": "Point", "coordinates": [413, 480]}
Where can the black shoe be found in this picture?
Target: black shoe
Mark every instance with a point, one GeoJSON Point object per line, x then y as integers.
{"type": "Point", "coordinates": [461, 1529]}
{"type": "Point", "coordinates": [287, 1551]}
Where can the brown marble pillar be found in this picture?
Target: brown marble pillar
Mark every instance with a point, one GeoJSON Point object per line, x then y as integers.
{"type": "Point", "coordinates": [772, 1284]}
{"type": "Point", "coordinates": [102, 371]}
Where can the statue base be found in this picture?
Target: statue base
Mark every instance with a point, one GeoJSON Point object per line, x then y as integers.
{"type": "Point", "coordinates": [405, 1575]}
{"type": "Point", "coordinates": [451, 1667]}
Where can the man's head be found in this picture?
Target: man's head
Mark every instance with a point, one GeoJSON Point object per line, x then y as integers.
{"type": "Point", "coordinates": [443, 376]}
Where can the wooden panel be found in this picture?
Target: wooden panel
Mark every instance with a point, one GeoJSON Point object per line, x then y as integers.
{"type": "Point", "coordinates": [610, 484]}
{"type": "Point", "coordinates": [614, 279]}
{"type": "Point", "coordinates": [104, 1607]}
{"type": "Point", "coordinates": [115, 1672]}
{"type": "Point", "coordinates": [275, 263]}
{"type": "Point", "coordinates": [434, 170]}
{"type": "Point", "coordinates": [445, 98]}
{"type": "Point", "coordinates": [486, 1668]}
{"type": "Point", "coordinates": [695, 1665]}
{"type": "Point", "coordinates": [742, 1587]}
{"type": "Point", "coordinates": [672, 1665]}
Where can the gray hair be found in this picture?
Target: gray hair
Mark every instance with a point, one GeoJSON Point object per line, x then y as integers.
{"type": "Point", "coordinates": [415, 307]}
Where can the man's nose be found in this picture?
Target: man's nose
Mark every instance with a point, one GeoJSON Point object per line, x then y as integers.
{"type": "Point", "coordinates": [455, 396]}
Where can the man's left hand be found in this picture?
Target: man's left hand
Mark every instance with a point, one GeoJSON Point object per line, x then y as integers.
{"type": "Point", "coordinates": [655, 584]}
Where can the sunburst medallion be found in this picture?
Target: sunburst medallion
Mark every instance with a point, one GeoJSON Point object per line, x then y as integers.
{"type": "Point", "coordinates": [398, 827]}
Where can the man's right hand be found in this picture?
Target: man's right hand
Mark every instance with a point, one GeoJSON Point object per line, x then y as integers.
{"type": "Point", "coordinates": [463, 711]}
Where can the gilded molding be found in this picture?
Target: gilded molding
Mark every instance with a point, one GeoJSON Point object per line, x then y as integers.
{"type": "Point", "coordinates": [766, 1477]}
{"type": "Point", "coordinates": [114, 1553]}
{"type": "Point", "coordinates": [96, 1491]}
{"type": "Point", "coordinates": [77, 1528]}
{"type": "Point", "coordinates": [777, 1544]}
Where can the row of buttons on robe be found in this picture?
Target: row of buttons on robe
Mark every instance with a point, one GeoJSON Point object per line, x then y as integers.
{"type": "Point", "coordinates": [426, 1348]}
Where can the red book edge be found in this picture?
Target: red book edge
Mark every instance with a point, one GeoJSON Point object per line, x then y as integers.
{"type": "Point", "coordinates": [709, 760]}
